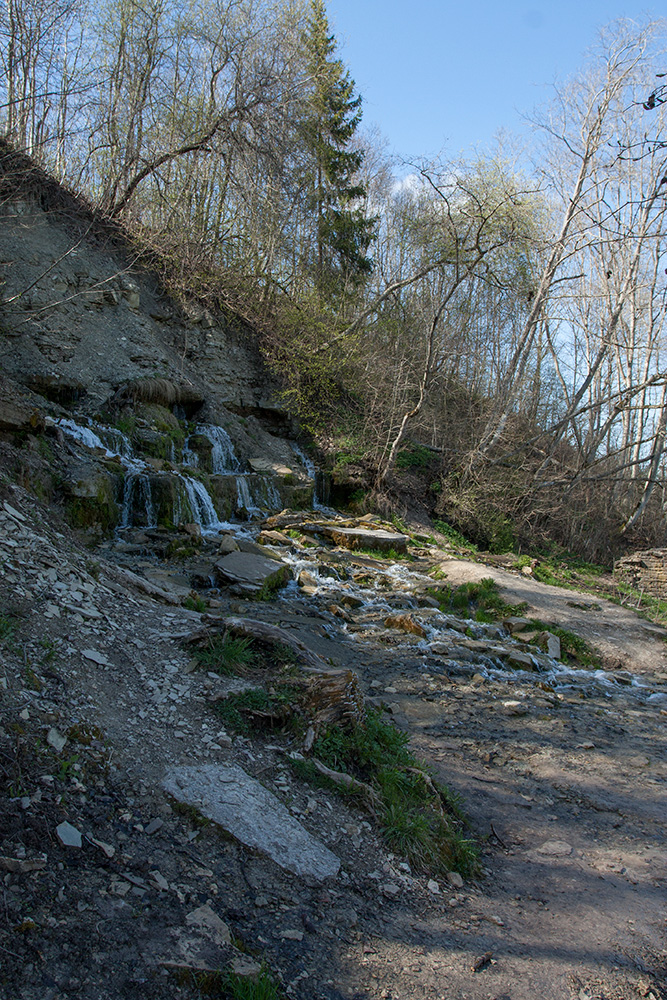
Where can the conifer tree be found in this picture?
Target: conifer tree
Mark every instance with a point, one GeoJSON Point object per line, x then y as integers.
{"type": "Point", "coordinates": [344, 233]}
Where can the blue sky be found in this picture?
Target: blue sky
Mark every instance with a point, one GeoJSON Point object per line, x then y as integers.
{"type": "Point", "coordinates": [444, 75]}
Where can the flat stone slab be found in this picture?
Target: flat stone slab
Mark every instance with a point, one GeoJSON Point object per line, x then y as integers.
{"type": "Point", "coordinates": [364, 538]}
{"type": "Point", "coordinates": [227, 795]}
{"type": "Point", "coordinates": [265, 465]}
{"type": "Point", "coordinates": [253, 570]}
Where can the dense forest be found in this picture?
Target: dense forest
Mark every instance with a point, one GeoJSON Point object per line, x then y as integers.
{"type": "Point", "coordinates": [489, 328]}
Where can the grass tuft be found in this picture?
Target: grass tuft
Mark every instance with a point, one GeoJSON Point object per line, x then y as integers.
{"type": "Point", "coordinates": [225, 654]}
{"type": "Point", "coordinates": [574, 650]}
{"type": "Point", "coordinates": [419, 818]}
{"type": "Point", "coordinates": [481, 601]}
{"type": "Point", "coordinates": [230, 986]}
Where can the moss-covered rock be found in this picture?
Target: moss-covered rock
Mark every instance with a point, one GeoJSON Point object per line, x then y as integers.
{"type": "Point", "coordinates": [91, 499]}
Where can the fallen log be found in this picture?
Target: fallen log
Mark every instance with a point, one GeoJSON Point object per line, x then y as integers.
{"type": "Point", "coordinates": [252, 628]}
{"type": "Point", "coordinates": [131, 579]}
{"type": "Point", "coordinates": [327, 695]}
{"type": "Point", "coordinates": [371, 798]}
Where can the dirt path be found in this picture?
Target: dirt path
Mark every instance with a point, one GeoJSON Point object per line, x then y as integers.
{"type": "Point", "coordinates": [623, 639]}
{"type": "Point", "coordinates": [568, 796]}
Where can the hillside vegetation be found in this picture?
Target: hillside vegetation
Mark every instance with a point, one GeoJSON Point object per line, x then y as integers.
{"type": "Point", "coordinates": [483, 338]}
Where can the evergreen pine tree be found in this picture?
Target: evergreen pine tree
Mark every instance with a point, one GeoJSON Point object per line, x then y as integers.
{"type": "Point", "coordinates": [344, 233]}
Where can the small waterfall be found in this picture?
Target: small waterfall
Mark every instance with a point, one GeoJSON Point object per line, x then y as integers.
{"type": "Point", "coordinates": [109, 439]}
{"type": "Point", "coordinates": [321, 480]}
{"type": "Point", "coordinates": [256, 494]}
{"type": "Point", "coordinates": [307, 463]}
{"type": "Point", "coordinates": [272, 495]}
{"type": "Point", "coordinates": [201, 505]}
{"type": "Point", "coordinates": [223, 457]}
{"type": "Point", "coordinates": [116, 442]}
{"type": "Point", "coordinates": [244, 500]}
{"type": "Point", "coordinates": [83, 435]}
{"type": "Point", "coordinates": [137, 493]}
{"type": "Point", "coordinates": [190, 458]}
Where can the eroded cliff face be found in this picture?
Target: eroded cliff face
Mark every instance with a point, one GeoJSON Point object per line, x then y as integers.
{"type": "Point", "coordinates": [78, 309]}
{"type": "Point", "coordinates": [132, 408]}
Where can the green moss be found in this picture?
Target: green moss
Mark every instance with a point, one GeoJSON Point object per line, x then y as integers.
{"type": "Point", "coordinates": [92, 512]}
{"type": "Point", "coordinates": [45, 448]}
{"type": "Point", "coordinates": [272, 585]}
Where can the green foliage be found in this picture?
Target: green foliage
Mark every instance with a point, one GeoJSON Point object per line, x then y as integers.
{"type": "Point", "coordinates": [344, 232]}
{"type": "Point", "coordinates": [230, 986]}
{"type": "Point", "coordinates": [195, 603]}
{"type": "Point", "coordinates": [415, 457]}
{"type": "Point", "coordinates": [484, 511]}
{"type": "Point", "coordinates": [226, 654]}
{"type": "Point", "coordinates": [480, 601]}
{"type": "Point", "coordinates": [419, 817]}
{"type": "Point", "coordinates": [454, 536]}
{"type": "Point", "coordinates": [353, 455]}
{"type": "Point", "coordinates": [259, 708]}
{"type": "Point", "coordinates": [389, 554]}
{"type": "Point", "coordinates": [565, 569]}
{"type": "Point", "coordinates": [399, 524]}
{"type": "Point", "coordinates": [313, 377]}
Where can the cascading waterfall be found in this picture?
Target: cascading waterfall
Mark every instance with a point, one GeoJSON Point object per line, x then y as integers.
{"type": "Point", "coordinates": [83, 435]}
{"type": "Point", "coordinates": [191, 500]}
{"type": "Point", "coordinates": [272, 494]}
{"type": "Point", "coordinates": [203, 512]}
{"type": "Point", "coordinates": [306, 461]}
{"type": "Point", "coordinates": [244, 500]}
{"type": "Point", "coordinates": [190, 458]}
{"type": "Point", "coordinates": [321, 482]}
{"type": "Point", "coordinates": [137, 486]}
{"type": "Point", "coordinates": [223, 456]}
{"type": "Point", "coordinates": [109, 439]}
{"type": "Point", "coordinates": [116, 442]}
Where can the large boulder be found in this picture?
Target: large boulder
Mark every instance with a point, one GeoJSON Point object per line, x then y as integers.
{"type": "Point", "coordinates": [366, 538]}
{"type": "Point", "coordinates": [254, 573]}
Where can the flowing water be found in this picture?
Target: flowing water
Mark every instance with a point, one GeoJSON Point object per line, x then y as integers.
{"type": "Point", "coordinates": [223, 456]}
{"type": "Point", "coordinates": [255, 494]}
